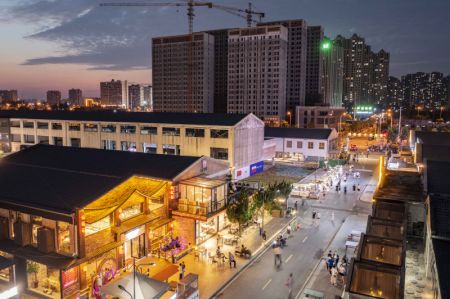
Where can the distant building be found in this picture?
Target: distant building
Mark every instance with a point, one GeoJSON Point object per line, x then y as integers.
{"type": "Point", "coordinates": [296, 61]}
{"type": "Point", "coordinates": [333, 73]}
{"type": "Point", "coordinates": [75, 97]}
{"type": "Point", "coordinates": [395, 93]}
{"type": "Point", "coordinates": [9, 95]}
{"type": "Point", "coordinates": [54, 97]}
{"type": "Point", "coordinates": [314, 68]}
{"type": "Point", "coordinates": [427, 90]}
{"type": "Point", "coordinates": [257, 72]}
{"type": "Point", "coordinates": [380, 78]}
{"type": "Point", "coordinates": [183, 73]}
{"type": "Point", "coordinates": [114, 93]}
{"type": "Point", "coordinates": [148, 97]}
{"type": "Point", "coordinates": [318, 117]}
{"type": "Point", "coordinates": [135, 95]}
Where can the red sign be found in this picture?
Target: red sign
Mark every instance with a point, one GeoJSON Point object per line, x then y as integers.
{"type": "Point", "coordinates": [69, 277]}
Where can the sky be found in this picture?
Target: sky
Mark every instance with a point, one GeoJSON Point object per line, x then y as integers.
{"type": "Point", "coordinates": [63, 44]}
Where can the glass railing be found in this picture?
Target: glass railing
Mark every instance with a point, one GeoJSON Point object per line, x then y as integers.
{"type": "Point", "coordinates": [200, 208]}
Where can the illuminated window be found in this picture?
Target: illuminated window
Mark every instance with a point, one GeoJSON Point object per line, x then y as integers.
{"type": "Point", "coordinates": [131, 211]}
{"type": "Point", "coordinates": [321, 145]}
{"type": "Point", "coordinates": [104, 223]}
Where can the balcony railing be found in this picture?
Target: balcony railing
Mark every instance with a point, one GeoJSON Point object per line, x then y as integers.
{"type": "Point", "coordinates": [200, 208]}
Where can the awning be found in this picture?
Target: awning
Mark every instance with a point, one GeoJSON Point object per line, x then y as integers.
{"type": "Point", "coordinates": [5, 263]}
{"type": "Point", "coordinates": [145, 288]}
{"type": "Point", "coordinates": [166, 273]}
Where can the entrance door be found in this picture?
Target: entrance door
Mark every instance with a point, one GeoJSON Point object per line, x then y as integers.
{"type": "Point", "coordinates": [138, 246]}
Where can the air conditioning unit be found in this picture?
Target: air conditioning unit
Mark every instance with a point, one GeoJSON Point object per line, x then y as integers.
{"type": "Point", "coordinates": [46, 240]}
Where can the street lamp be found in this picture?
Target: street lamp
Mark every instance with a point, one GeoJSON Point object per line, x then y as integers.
{"type": "Point", "coordinates": [340, 121]}
{"type": "Point", "coordinates": [290, 118]}
{"type": "Point", "coordinates": [440, 114]}
{"type": "Point", "coordinates": [125, 290]}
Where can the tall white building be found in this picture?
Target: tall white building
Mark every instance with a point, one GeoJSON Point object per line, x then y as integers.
{"type": "Point", "coordinates": [332, 73]}
{"type": "Point", "coordinates": [114, 93]}
{"type": "Point", "coordinates": [183, 73]}
{"type": "Point", "coordinates": [257, 71]}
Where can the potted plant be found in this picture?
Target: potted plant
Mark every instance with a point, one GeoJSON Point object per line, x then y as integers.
{"type": "Point", "coordinates": [33, 268]}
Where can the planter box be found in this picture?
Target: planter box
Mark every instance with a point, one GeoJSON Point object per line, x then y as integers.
{"type": "Point", "coordinates": [277, 213]}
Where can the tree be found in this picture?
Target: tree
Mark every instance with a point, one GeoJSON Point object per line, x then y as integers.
{"type": "Point", "coordinates": [240, 210]}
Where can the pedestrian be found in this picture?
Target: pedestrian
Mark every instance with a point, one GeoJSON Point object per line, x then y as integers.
{"type": "Point", "coordinates": [318, 218]}
{"type": "Point", "coordinates": [342, 272]}
{"type": "Point", "coordinates": [296, 206]}
{"type": "Point", "coordinates": [231, 259]}
{"type": "Point", "coordinates": [330, 254]}
{"type": "Point", "coordinates": [260, 230]}
{"type": "Point", "coordinates": [333, 278]}
{"type": "Point", "coordinates": [264, 236]}
{"type": "Point", "coordinates": [182, 269]}
{"type": "Point", "coordinates": [289, 284]}
{"type": "Point", "coordinates": [336, 260]}
{"type": "Point", "coordinates": [277, 253]}
{"type": "Point", "coordinates": [330, 263]}
{"type": "Point", "coordinates": [332, 217]}
{"type": "Point", "coordinates": [358, 188]}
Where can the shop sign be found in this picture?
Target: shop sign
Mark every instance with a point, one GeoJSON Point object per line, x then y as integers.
{"type": "Point", "coordinates": [242, 173]}
{"type": "Point", "coordinates": [256, 167]}
{"type": "Point", "coordinates": [69, 277]}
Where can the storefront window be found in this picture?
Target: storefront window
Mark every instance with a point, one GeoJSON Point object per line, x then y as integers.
{"type": "Point", "coordinates": [92, 228]}
{"type": "Point", "coordinates": [5, 274]}
{"type": "Point", "coordinates": [205, 230]}
{"type": "Point", "coordinates": [36, 223]}
{"type": "Point", "coordinates": [131, 211]}
{"type": "Point", "coordinates": [43, 280]}
{"type": "Point", "coordinates": [65, 236]}
{"type": "Point", "coordinates": [220, 195]}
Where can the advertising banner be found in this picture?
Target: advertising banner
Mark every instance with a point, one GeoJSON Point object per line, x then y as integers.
{"type": "Point", "coordinates": [256, 167]}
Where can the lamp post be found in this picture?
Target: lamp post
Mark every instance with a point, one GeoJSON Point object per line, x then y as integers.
{"type": "Point", "coordinates": [440, 113]}
{"type": "Point", "coordinates": [290, 118]}
{"type": "Point", "coordinates": [340, 122]}
{"type": "Point", "coordinates": [125, 290]}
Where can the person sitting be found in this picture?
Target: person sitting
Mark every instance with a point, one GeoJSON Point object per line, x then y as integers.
{"type": "Point", "coordinates": [231, 259]}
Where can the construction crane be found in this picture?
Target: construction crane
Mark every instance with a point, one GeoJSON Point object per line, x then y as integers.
{"type": "Point", "coordinates": [249, 12]}
{"type": "Point", "coordinates": [189, 4]}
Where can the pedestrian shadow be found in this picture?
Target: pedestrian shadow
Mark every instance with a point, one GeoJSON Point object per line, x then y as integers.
{"type": "Point", "coordinates": [319, 254]}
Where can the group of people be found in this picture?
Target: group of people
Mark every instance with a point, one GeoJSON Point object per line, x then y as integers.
{"type": "Point", "coordinates": [337, 270]}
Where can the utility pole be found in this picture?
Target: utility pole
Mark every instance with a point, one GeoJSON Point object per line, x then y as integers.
{"type": "Point", "coordinates": [400, 124]}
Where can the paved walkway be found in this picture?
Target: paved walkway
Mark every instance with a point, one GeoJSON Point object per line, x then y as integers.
{"type": "Point", "coordinates": [212, 276]}
{"type": "Point", "coordinates": [320, 277]}
{"type": "Point", "coordinates": [417, 285]}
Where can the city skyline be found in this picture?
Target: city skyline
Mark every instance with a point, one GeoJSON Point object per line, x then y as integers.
{"type": "Point", "coordinates": [56, 45]}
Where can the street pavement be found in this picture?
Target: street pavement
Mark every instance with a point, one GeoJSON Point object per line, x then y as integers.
{"type": "Point", "coordinates": [307, 246]}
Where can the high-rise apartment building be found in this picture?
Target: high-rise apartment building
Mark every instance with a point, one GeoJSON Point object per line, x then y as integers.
{"type": "Point", "coordinates": [394, 93]}
{"type": "Point", "coordinates": [183, 73]}
{"type": "Point", "coordinates": [380, 77]}
{"type": "Point", "coordinates": [148, 97]}
{"type": "Point", "coordinates": [314, 62]}
{"type": "Point", "coordinates": [114, 93]}
{"type": "Point", "coordinates": [296, 61]}
{"type": "Point", "coordinates": [332, 73]}
{"type": "Point", "coordinates": [54, 97]}
{"type": "Point", "coordinates": [257, 71]}
{"type": "Point", "coordinates": [75, 97]}
{"type": "Point", "coordinates": [135, 95]}
{"type": "Point", "coordinates": [9, 95]}
{"type": "Point", "coordinates": [427, 90]}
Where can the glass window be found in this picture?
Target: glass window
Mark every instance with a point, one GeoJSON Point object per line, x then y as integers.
{"type": "Point", "coordinates": [108, 144]}
{"type": "Point", "coordinates": [28, 138]}
{"type": "Point", "coordinates": [74, 127]}
{"type": "Point", "coordinates": [75, 142]}
{"type": "Point", "coordinates": [58, 141]}
{"type": "Point", "coordinates": [15, 138]}
{"type": "Point", "coordinates": [131, 211]}
{"type": "Point", "coordinates": [171, 149]}
{"type": "Point", "coordinates": [43, 139]}
{"type": "Point", "coordinates": [92, 228]}
{"type": "Point", "coordinates": [90, 127]}
{"type": "Point", "coordinates": [65, 237]}
{"type": "Point", "coordinates": [149, 148]}
{"type": "Point", "coordinates": [219, 153]}
{"type": "Point", "coordinates": [171, 131]}
{"type": "Point", "coordinates": [42, 125]}
{"type": "Point", "coordinates": [109, 128]}
{"type": "Point", "coordinates": [128, 129]}
{"type": "Point", "coordinates": [56, 126]}
{"type": "Point", "coordinates": [15, 124]}
{"type": "Point", "coordinates": [194, 132]}
{"type": "Point", "coordinates": [310, 145]}
{"type": "Point", "coordinates": [299, 144]}
{"type": "Point", "coordinates": [128, 146]}
{"type": "Point", "coordinates": [289, 144]}
{"type": "Point", "coordinates": [28, 124]}
{"type": "Point", "coordinates": [36, 223]}
{"type": "Point", "coordinates": [44, 280]}
{"type": "Point", "coordinates": [321, 145]}
{"type": "Point", "coordinates": [149, 130]}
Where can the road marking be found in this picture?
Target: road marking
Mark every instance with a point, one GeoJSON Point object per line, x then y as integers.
{"type": "Point", "coordinates": [287, 260]}
{"type": "Point", "coordinates": [304, 240]}
{"type": "Point", "coordinates": [267, 283]}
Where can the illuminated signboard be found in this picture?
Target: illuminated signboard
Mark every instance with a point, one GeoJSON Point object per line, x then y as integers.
{"type": "Point", "coordinates": [365, 109]}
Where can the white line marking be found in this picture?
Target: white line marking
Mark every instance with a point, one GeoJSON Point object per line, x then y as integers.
{"type": "Point", "coordinates": [304, 240]}
{"type": "Point", "coordinates": [267, 283]}
{"type": "Point", "coordinates": [287, 260]}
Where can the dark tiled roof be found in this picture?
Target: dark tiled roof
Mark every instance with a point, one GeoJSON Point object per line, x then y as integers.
{"type": "Point", "coordinates": [441, 250]}
{"type": "Point", "coordinates": [64, 178]}
{"type": "Point", "coordinates": [136, 117]}
{"type": "Point", "coordinates": [440, 215]}
{"type": "Point", "coordinates": [436, 152]}
{"type": "Point", "coordinates": [438, 174]}
{"type": "Point", "coordinates": [436, 138]}
{"type": "Point", "coordinates": [297, 133]}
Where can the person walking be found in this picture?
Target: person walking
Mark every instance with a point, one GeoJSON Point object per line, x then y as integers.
{"type": "Point", "coordinates": [231, 259]}
{"type": "Point", "coordinates": [318, 218]}
{"type": "Point", "coordinates": [182, 269]}
{"type": "Point", "coordinates": [333, 278]}
{"type": "Point", "coordinates": [342, 271]}
{"type": "Point", "coordinates": [264, 236]}
{"type": "Point", "coordinates": [289, 284]}
{"type": "Point", "coordinates": [330, 263]}
{"type": "Point", "coordinates": [314, 217]}
{"type": "Point", "coordinates": [277, 253]}
{"type": "Point", "coordinates": [296, 206]}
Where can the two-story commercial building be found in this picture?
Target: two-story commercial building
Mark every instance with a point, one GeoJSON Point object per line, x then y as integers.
{"type": "Point", "coordinates": [70, 218]}
{"type": "Point", "coordinates": [303, 144]}
{"type": "Point", "coordinates": [235, 138]}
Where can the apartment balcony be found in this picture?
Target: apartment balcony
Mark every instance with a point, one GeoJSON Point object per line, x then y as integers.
{"type": "Point", "coordinates": [202, 210]}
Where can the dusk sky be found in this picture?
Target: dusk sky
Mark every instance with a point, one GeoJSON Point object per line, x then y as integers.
{"type": "Point", "coordinates": [64, 44]}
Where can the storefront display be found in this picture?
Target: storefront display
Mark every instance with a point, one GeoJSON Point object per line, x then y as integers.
{"type": "Point", "coordinates": [65, 237]}
{"type": "Point", "coordinates": [43, 280]}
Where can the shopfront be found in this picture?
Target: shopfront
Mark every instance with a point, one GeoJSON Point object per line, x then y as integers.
{"type": "Point", "coordinates": [43, 280]}
{"type": "Point", "coordinates": [207, 229]}
{"type": "Point", "coordinates": [134, 244]}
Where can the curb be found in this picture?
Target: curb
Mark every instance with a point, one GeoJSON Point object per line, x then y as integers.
{"type": "Point", "coordinates": [259, 252]}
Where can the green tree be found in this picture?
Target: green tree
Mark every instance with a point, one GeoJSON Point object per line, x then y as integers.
{"type": "Point", "coordinates": [240, 210]}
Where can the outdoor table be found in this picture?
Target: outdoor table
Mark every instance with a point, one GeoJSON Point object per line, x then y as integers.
{"type": "Point", "coordinates": [351, 244]}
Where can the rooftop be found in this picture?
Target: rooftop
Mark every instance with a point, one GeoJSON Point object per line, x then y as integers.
{"type": "Point", "coordinates": [297, 133]}
{"type": "Point", "coordinates": [438, 173]}
{"type": "Point", "coordinates": [382, 250]}
{"type": "Point", "coordinates": [441, 250]}
{"type": "Point", "coordinates": [61, 179]}
{"type": "Point", "coordinates": [440, 216]}
{"type": "Point", "coordinates": [385, 228]}
{"type": "Point", "coordinates": [436, 152]}
{"type": "Point", "coordinates": [403, 186]}
{"type": "Point", "coordinates": [134, 117]}
{"type": "Point", "coordinates": [436, 138]}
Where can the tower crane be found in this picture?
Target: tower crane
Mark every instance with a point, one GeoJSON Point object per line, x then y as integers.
{"type": "Point", "coordinates": [249, 12]}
